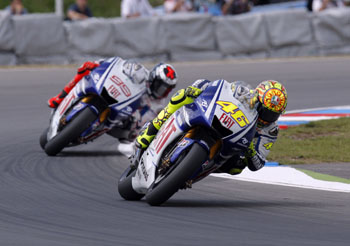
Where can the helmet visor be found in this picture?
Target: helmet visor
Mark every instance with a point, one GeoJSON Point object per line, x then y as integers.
{"type": "Point", "coordinates": [267, 115]}
{"type": "Point", "coordinates": [159, 89]}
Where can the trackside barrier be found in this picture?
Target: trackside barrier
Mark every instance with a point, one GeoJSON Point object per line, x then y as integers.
{"type": "Point", "coordinates": [189, 37]}
{"type": "Point", "coordinates": [288, 28]}
{"type": "Point", "coordinates": [145, 37]}
{"type": "Point", "coordinates": [332, 31]}
{"type": "Point", "coordinates": [39, 38]}
{"type": "Point", "coordinates": [92, 37]}
{"type": "Point", "coordinates": [7, 56]}
{"type": "Point", "coordinates": [6, 32]}
{"type": "Point", "coordinates": [241, 34]}
{"type": "Point", "coordinates": [290, 33]}
{"type": "Point", "coordinates": [45, 38]}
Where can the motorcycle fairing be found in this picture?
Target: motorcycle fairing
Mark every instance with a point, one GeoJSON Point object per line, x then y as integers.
{"type": "Point", "coordinates": [67, 102]}
{"type": "Point", "coordinates": [76, 109]}
{"type": "Point", "coordinates": [101, 78]}
{"type": "Point", "coordinates": [183, 145]}
{"type": "Point", "coordinates": [149, 161]}
{"type": "Point", "coordinates": [202, 113]}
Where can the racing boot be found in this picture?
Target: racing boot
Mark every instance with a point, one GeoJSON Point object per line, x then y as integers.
{"type": "Point", "coordinates": [126, 148]}
{"type": "Point", "coordinates": [146, 136]}
{"type": "Point", "coordinates": [181, 98]}
{"type": "Point", "coordinates": [84, 70]}
{"type": "Point", "coordinates": [150, 130]}
{"type": "Point", "coordinates": [55, 101]}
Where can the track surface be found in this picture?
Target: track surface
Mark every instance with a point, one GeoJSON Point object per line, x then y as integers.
{"type": "Point", "coordinates": [72, 199]}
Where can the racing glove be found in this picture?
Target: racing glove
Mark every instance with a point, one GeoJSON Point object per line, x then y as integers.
{"type": "Point", "coordinates": [87, 67]}
{"type": "Point", "coordinates": [192, 92]}
{"type": "Point", "coordinates": [253, 159]}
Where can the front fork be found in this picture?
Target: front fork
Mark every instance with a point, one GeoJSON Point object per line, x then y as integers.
{"type": "Point", "coordinates": [100, 109]}
{"type": "Point", "coordinates": [135, 158]}
{"type": "Point", "coordinates": [204, 138]}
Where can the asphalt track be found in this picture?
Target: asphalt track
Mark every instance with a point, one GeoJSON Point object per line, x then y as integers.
{"type": "Point", "coordinates": [72, 199]}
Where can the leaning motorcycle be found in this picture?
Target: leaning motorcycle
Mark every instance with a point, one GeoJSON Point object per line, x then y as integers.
{"type": "Point", "coordinates": [189, 145]}
{"type": "Point", "coordinates": [101, 102]}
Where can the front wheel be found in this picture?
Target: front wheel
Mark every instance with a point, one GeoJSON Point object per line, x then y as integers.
{"type": "Point", "coordinates": [43, 138]}
{"type": "Point", "coordinates": [125, 186]}
{"type": "Point", "coordinates": [167, 187]}
{"type": "Point", "coordinates": [71, 132]}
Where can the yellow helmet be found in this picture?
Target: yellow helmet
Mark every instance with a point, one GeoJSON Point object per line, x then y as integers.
{"type": "Point", "coordinates": [272, 98]}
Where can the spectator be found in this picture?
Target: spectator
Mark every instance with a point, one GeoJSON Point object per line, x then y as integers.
{"type": "Point", "coordinates": [234, 7]}
{"type": "Point", "coordinates": [136, 8]}
{"type": "Point", "coordinates": [16, 8]}
{"type": "Point", "coordinates": [172, 6]}
{"type": "Point", "coordinates": [320, 5]}
{"type": "Point", "coordinates": [79, 10]}
{"type": "Point", "coordinates": [309, 5]}
{"type": "Point", "coordinates": [346, 3]}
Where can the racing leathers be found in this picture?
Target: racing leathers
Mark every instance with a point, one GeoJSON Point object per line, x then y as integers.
{"type": "Point", "coordinates": [255, 155]}
{"type": "Point", "coordinates": [149, 106]}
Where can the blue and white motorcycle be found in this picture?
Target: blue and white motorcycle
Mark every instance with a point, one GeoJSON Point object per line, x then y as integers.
{"type": "Point", "coordinates": [189, 144]}
{"type": "Point", "coordinates": [101, 102]}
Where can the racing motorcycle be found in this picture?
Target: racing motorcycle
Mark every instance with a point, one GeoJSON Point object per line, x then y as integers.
{"type": "Point", "coordinates": [101, 102]}
{"type": "Point", "coordinates": [189, 145]}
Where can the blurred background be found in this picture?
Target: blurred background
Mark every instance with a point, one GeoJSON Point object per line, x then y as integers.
{"type": "Point", "coordinates": [112, 8]}
{"type": "Point", "coordinates": [72, 199]}
{"type": "Point", "coordinates": [72, 31]}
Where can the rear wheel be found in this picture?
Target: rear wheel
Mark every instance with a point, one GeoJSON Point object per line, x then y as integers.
{"type": "Point", "coordinates": [125, 186]}
{"type": "Point", "coordinates": [71, 132]}
{"type": "Point", "coordinates": [175, 180]}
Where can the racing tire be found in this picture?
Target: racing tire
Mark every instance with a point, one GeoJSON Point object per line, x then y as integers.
{"type": "Point", "coordinates": [175, 180]}
{"type": "Point", "coordinates": [71, 132]}
{"type": "Point", "coordinates": [125, 186]}
{"type": "Point", "coordinates": [43, 138]}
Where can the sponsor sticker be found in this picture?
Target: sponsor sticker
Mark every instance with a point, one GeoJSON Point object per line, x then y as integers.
{"type": "Point", "coordinates": [144, 171]}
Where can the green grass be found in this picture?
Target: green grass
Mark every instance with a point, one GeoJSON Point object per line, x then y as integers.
{"type": "Point", "coordinates": [104, 8]}
{"type": "Point", "coordinates": [324, 177]}
{"type": "Point", "coordinates": [326, 141]}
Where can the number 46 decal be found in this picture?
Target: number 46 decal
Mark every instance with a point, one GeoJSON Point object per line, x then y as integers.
{"type": "Point", "coordinates": [236, 114]}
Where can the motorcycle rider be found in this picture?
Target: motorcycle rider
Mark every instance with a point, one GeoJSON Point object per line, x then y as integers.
{"type": "Point", "coordinates": [269, 99]}
{"type": "Point", "coordinates": [159, 82]}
